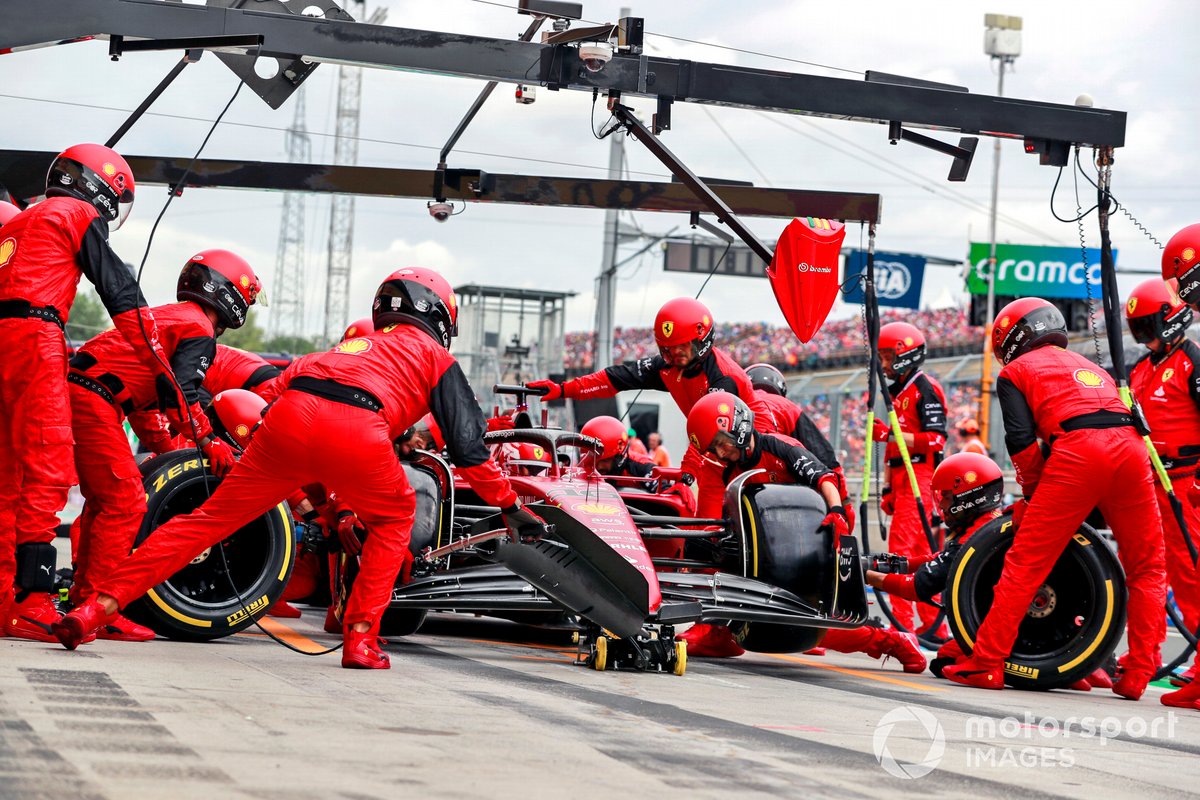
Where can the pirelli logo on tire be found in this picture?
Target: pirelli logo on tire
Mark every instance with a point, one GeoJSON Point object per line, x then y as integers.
{"type": "Point", "coordinates": [243, 613]}
{"type": "Point", "coordinates": [174, 472]}
{"type": "Point", "coordinates": [1021, 670]}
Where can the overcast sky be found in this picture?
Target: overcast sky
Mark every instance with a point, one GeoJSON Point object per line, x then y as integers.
{"type": "Point", "coordinates": [1140, 58]}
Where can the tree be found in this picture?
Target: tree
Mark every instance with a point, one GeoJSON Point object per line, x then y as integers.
{"type": "Point", "coordinates": [88, 317]}
{"type": "Point", "coordinates": [248, 337]}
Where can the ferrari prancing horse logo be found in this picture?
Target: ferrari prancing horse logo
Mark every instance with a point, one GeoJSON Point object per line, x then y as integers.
{"type": "Point", "coordinates": [668, 328]}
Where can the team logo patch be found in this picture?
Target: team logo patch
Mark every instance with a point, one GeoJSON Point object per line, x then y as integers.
{"type": "Point", "coordinates": [1004, 322]}
{"type": "Point", "coordinates": [1188, 254]}
{"type": "Point", "coordinates": [723, 408]}
{"type": "Point", "coordinates": [1131, 305]}
{"type": "Point", "coordinates": [390, 328]}
{"type": "Point", "coordinates": [539, 453]}
{"type": "Point", "coordinates": [245, 281]}
{"type": "Point", "coordinates": [1167, 373]}
{"type": "Point", "coordinates": [970, 477]}
{"type": "Point", "coordinates": [695, 441]}
{"type": "Point", "coordinates": [109, 169]}
{"type": "Point", "coordinates": [668, 328]}
{"type": "Point", "coordinates": [242, 431]}
{"type": "Point", "coordinates": [601, 509]}
{"type": "Point", "coordinates": [351, 332]}
{"type": "Point", "coordinates": [1088, 378]}
{"type": "Point", "coordinates": [705, 320]}
{"type": "Point", "coordinates": [353, 347]}
{"type": "Point", "coordinates": [908, 341]}
{"type": "Point", "coordinates": [7, 248]}
{"type": "Point", "coordinates": [904, 404]}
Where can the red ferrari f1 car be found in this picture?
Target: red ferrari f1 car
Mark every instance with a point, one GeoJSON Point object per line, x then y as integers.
{"type": "Point", "coordinates": [623, 567]}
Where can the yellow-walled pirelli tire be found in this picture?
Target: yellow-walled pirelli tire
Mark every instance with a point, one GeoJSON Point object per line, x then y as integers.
{"type": "Point", "coordinates": [1074, 622]}
{"type": "Point", "coordinates": [201, 601]}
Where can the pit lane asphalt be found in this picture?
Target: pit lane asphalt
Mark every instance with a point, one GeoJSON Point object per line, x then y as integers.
{"type": "Point", "coordinates": [481, 708]}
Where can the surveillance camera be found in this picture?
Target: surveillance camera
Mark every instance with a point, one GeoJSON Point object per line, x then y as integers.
{"type": "Point", "coordinates": [595, 55]}
{"type": "Point", "coordinates": [440, 210]}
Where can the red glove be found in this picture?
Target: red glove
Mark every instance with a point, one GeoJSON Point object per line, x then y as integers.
{"type": "Point", "coordinates": [347, 532]}
{"type": "Point", "coordinates": [686, 496]}
{"type": "Point", "coordinates": [881, 431]}
{"type": "Point", "coordinates": [838, 521]}
{"type": "Point", "coordinates": [1018, 511]}
{"type": "Point", "coordinates": [504, 422]}
{"type": "Point", "coordinates": [554, 391]}
{"type": "Point", "coordinates": [849, 517]}
{"type": "Point", "coordinates": [220, 457]}
{"type": "Point", "coordinates": [887, 503]}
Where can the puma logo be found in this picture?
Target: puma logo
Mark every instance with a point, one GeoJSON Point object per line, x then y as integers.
{"type": "Point", "coordinates": [46, 567]}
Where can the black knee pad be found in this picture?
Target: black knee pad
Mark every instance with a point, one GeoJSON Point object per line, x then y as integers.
{"type": "Point", "coordinates": [35, 567]}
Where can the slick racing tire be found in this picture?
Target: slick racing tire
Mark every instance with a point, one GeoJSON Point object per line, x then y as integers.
{"type": "Point", "coordinates": [401, 621]}
{"type": "Point", "coordinates": [767, 637]}
{"type": "Point", "coordinates": [213, 596]}
{"type": "Point", "coordinates": [1074, 622]}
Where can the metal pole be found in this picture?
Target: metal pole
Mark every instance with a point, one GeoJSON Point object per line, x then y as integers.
{"type": "Point", "coordinates": [985, 400]}
{"type": "Point", "coordinates": [606, 284]}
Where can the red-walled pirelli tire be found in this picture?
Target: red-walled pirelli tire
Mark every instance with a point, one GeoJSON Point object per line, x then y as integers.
{"type": "Point", "coordinates": [201, 601]}
{"type": "Point", "coordinates": [1074, 622]}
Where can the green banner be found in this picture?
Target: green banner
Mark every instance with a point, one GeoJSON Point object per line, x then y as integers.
{"type": "Point", "coordinates": [1027, 270]}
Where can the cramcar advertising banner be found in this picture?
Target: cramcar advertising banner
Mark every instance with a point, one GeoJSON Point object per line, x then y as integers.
{"type": "Point", "coordinates": [1027, 270]}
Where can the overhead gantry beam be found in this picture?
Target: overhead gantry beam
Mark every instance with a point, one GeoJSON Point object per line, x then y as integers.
{"type": "Point", "coordinates": [28, 23]}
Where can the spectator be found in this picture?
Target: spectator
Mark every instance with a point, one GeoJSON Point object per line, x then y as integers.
{"type": "Point", "coordinates": [658, 453]}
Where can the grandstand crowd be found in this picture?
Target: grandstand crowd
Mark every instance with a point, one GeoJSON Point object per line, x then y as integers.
{"type": "Point", "coordinates": [838, 343]}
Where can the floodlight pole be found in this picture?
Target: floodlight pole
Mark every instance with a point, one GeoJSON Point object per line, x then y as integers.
{"type": "Point", "coordinates": [1002, 41]}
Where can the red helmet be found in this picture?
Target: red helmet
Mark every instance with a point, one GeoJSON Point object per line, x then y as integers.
{"type": "Point", "coordinates": [1154, 311]}
{"type": "Point", "coordinates": [360, 327]}
{"type": "Point", "coordinates": [767, 378]}
{"type": "Point", "coordinates": [1181, 259]}
{"type": "Point", "coordinates": [222, 281]}
{"type": "Point", "coordinates": [969, 485]}
{"type": "Point", "coordinates": [906, 342]}
{"type": "Point", "coordinates": [720, 414]}
{"type": "Point", "coordinates": [7, 211]}
{"type": "Point", "coordinates": [1026, 324]}
{"type": "Point", "coordinates": [94, 174]}
{"type": "Point", "coordinates": [417, 296]}
{"type": "Point", "coordinates": [234, 415]}
{"type": "Point", "coordinates": [611, 433]}
{"type": "Point", "coordinates": [684, 321]}
{"type": "Point", "coordinates": [532, 458]}
{"type": "Point", "coordinates": [968, 426]}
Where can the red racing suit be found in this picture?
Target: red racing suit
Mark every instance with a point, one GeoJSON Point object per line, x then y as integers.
{"type": "Point", "coordinates": [43, 252]}
{"type": "Point", "coordinates": [716, 372]}
{"type": "Point", "coordinates": [790, 420]}
{"type": "Point", "coordinates": [107, 383]}
{"type": "Point", "coordinates": [1096, 458]}
{"type": "Point", "coordinates": [237, 369]}
{"type": "Point", "coordinates": [1168, 388]}
{"type": "Point", "coordinates": [782, 459]}
{"type": "Point", "coordinates": [920, 405]}
{"type": "Point", "coordinates": [334, 424]}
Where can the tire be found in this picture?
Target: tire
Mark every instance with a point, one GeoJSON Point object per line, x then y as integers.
{"type": "Point", "coordinates": [1079, 625]}
{"type": "Point", "coordinates": [198, 603]}
{"type": "Point", "coordinates": [401, 621]}
{"type": "Point", "coordinates": [768, 637]}
{"type": "Point", "coordinates": [786, 548]}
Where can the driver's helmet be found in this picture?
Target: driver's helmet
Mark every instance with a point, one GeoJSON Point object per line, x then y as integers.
{"type": "Point", "coordinates": [234, 414]}
{"type": "Point", "coordinates": [1155, 312]}
{"type": "Point", "coordinates": [96, 175]}
{"type": "Point", "coordinates": [968, 485]}
{"type": "Point", "coordinates": [684, 321]}
{"type": "Point", "coordinates": [525, 458]}
{"type": "Point", "coordinates": [612, 434]}
{"type": "Point", "coordinates": [720, 416]}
